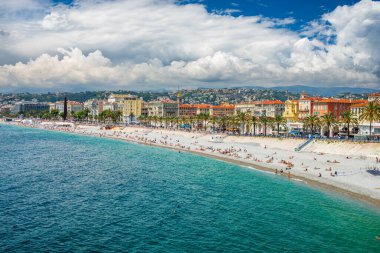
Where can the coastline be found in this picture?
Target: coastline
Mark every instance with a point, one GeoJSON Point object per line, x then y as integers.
{"type": "Point", "coordinates": [323, 184]}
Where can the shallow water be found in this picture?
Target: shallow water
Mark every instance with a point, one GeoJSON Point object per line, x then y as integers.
{"type": "Point", "coordinates": [64, 192]}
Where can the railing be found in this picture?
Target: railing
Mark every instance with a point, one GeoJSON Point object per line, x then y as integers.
{"type": "Point", "coordinates": [302, 145]}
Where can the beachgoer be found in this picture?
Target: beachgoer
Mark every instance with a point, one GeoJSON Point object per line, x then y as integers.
{"type": "Point", "coordinates": [320, 175]}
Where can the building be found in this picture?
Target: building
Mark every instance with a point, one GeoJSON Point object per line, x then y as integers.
{"type": "Point", "coordinates": [108, 106]}
{"type": "Point", "coordinates": [116, 98]}
{"type": "Point", "coordinates": [72, 106]}
{"type": "Point", "coordinates": [187, 110]}
{"type": "Point", "coordinates": [29, 107]}
{"type": "Point", "coordinates": [246, 107]}
{"type": "Point", "coordinates": [330, 105]}
{"type": "Point", "coordinates": [358, 108]}
{"type": "Point", "coordinates": [222, 110]}
{"type": "Point", "coordinates": [291, 111]}
{"type": "Point", "coordinates": [306, 105]}
{"type": "Point", "coordinates": [269, 108]}
{"type": "Point", "coordinates": [144, 109]}
{"type": "Point", "coordinates": [163, 108]}
{"type": "Point", "coordinates": [129, 105]}
{"type": "Point", "coordinates": [194, 109]}
{"type": "Point", "coordinates": [374, 97]}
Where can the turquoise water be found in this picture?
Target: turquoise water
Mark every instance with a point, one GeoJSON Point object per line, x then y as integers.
{"type": "Point", "coordinates": [62, 192]}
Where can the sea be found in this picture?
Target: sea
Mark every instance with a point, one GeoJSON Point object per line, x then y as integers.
{"type": "Point", "coordinates": [61, 192]}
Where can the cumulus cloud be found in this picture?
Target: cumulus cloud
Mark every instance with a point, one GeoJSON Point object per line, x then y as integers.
{"type": "Point", "coordinates": [154, 44]}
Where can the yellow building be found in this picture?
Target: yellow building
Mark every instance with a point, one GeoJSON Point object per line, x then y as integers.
{"type": "Point", "coordinates": [291, 111]}
{"type": "Point", "coordinates": [129, 105]}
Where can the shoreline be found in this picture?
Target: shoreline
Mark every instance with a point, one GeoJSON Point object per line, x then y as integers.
{"type": "Point", "coordinates": [319, 183]}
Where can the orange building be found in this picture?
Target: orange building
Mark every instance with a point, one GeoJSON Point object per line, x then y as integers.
{"type": "Point", "coordinates": [306, 105]}
{"type": "Point", "coordinates": [327, 105]}
{"type": "Point", "coordinates": [194, 109]}
{"type": "Point", "coordinates": [224, 109]}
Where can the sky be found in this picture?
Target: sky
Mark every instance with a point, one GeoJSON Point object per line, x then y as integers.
{"type": "Point", "coordinates": [51, 45]}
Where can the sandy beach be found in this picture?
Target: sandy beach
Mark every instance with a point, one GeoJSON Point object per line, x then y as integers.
{"type": "Point", "coordinates": [336, 166]}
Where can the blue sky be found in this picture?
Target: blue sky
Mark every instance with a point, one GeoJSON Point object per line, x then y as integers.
{"type": "Point", "coordinates": [150, 44]}
{"type": "Point", "coordinates": [303, 11]}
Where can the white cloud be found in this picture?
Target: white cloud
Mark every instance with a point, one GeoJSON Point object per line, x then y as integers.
{"type": "Point", "coordinates": [142, 43]}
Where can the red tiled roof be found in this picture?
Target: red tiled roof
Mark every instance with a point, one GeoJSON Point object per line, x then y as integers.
{"type": "Point", "coordinates": [334, 100]}
{"type": "Point", "coordinates": [358, 105]}
{"type": "Point", "coordinates": [223, 107]}
{"type": "Point", "coordinates": [269, 102]}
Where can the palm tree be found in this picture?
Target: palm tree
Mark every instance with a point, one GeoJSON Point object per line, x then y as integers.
{"type": "Point", "coordinates": [213, 120]}
{"type": "Point", "coordinates": [155, 120]}
{"type": "Point", "coordinates": [233, 122]}
{"type": "Point", "coordinates": [191, 122]}
{"type": "Point", "coordinates": [142, 119]}
{"type": "Point", "coordinates": [206, 117]}
{"type": "Point", "coordinates": [54, 113]}
{"type": "Point", "coordinates": [116, 115]}
{"type": "Point", "coordinates": [254, 121]}
{"type": "Point", "coordinates": [198, 119]}
{"type": "Point", "coordinates": [166, 120]}
{"type": "Point", "coordinates": [329, 120]}
{"type": "Point", "coordinates": [131, 116]}
{"type": "Point", "coordinates": [265, 121]}
{"type": "Point", "coordinates": [223, 122]}
{"type": "Point", "coordinates": [160, 120]}
{"type": "Point", "coordinates": [242, 117]}
{"type": "Point", "coordinates": [278, 120]}
{"type": "Point", "coordinates": [86, 113]}
{"type": "Point", "coordinates": [370, 113]}
{"type": "Point", "coordinates": [311, 122]}
{"type": "Point", "coordinates": [347, 118]}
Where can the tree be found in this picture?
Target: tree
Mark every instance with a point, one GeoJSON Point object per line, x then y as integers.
{"type": "Point", "coordinates": [242, 118]}
{"type": "Point", "coordinates": [143, 119]}
{"type": "Point", "coordinates": [86, 113]}
{"type": "Point", "coordinates": [370, 113]}
{"type": "Point", "coordinates": [203, 117]}
{"type": "Point", "coordinates": [329, 120]}
{"type": "Point", "coordinates": [311, 122]}
{"type": "Point", "coordinates": [155, 120]}
{"type": "Point", "coordinates": [254, 121]}
{"type": "Point", "coordinates": [278, 120]}
{"type": "Point", "coordinates": [347, 118]}
{"type": "Point", "coordinates": [222, 122]}
{"type": "Point", "coordinates": [213, 120]}
{"type": "Point", "coordinates": [131, 116]}
{"type": "Point", "coordinates": [265, 121]}
{"type": "Point", "coordinates": [54, 113]}
{"type": "Point", "coordinates": [166, 120]}
{"type": "Point", "coordinates": [233, 122]}
{"type": "Point", "coordinates": [116, 116]}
